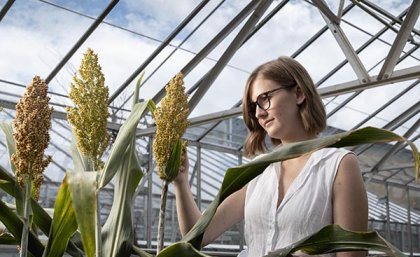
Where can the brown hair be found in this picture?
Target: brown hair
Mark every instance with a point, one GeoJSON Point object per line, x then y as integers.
{"type": "Point", "coordinates": [286, 72]}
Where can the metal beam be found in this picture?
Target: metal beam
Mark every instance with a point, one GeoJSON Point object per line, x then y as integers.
{"type": "Point", "coordinates": [176, 48]}
{"type": "Point", "coordinates": [348, 87]}
{"type": "Point", "coordinates": [260, 24]}
{"type": "Point", "coordinates": [359, 50]}
{"type": "Point", "coordinates": [396, 122]}
{"type": "Point", "coordinates": [6, 8]}
{"type": "Point", "coordinates": [55, 146]}
{"type": "Point", "coordinates": [343, 103]}
{"type": "Point", "coordinates": [354, 95]}
{"type": "Point", "coordinates": [24, 86]}
{"type": "Point", "coordinates": [51, 93]}
{"type": "Point", "coordinates": [212, 147]}
{"type": "Point", "coordinates": [387, 14]}
{"type": "Point", "coordinates": [395, 147]}
{"type": "Point", "coordinates": [212, 44]}
{"type": "Point", "coordinates": [198, 180]}
{"type": "Point", "coordinates": [410, 232]}
{"type": "Point", "coordinates": [254, 30]}
{"type": "Point", "coordinates": [374, 15]}
{"type": "Point", "coordinates": [400, 40]}
{"type": "Point", "coordinates": [54, 162]}
{"type": "Point", "coordinates": [55, 114]}
{"type": "Point", "coordinates": [228, 54]}
{"type": "Point", "coordinates": [90, 30]}
{"type": "Point", "coordinates": [157, 51]}
{"type": "Point", "coordinates": [201, 120]}
{"type": "Point", "coordinates": [149, 196]}
{"type": "Point", "coordinates": [396, 97]}
{"type": "Point", "coordinates": [403, 117]}
{"type": "Point", "coordinates": [318, 34]}
{"type": "Point", "coordinates": [397, 76]}
{"type": "Point", "coordinates": [396, 167]}
{"type": "Point", "coordinates": [323, 7]}
{"type": "Point", "coordinates": [411, 186]}
{"type": "Point", "coordinates": [348, 50]}
{"type": "Point", "coordinates": [340, 10]}
{"type": "Point", "coordinates": [414, 139]}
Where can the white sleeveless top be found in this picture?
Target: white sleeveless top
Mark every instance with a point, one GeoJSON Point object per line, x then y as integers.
{"type": "Point", "coordinates": [305, 208]}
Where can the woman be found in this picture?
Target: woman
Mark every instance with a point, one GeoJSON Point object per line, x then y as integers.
{"type": "Point", "coordinates": [293, 198]}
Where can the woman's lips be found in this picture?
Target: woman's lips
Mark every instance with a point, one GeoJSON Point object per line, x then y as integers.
{"type": "Point", "coordinates": [267, 123]}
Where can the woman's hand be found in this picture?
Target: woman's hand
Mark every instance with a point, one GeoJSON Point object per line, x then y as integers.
{"type": "Point", "coordinates": [182, 176]}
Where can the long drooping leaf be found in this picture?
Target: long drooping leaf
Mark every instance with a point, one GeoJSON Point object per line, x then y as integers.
{"type": "Point", "coordinates": [140, 252]}
{"type": "Point", "coordinates": [238, 177]}
{"type": "Point", "coordinates": [40, 217]}
{"type": "Point", "coordinates": [333, 238]}
{"type": "Point", "coordinates": [10, 141]}
{"type": "Point", "coordinates": [7, 239]}
{"type": "Point", "coordinates": [14, 225]}
{"type": "Point", "coordinates": [83, 195]}
{"type": "Point", "coordinates": [183, 249]}
{"type": "Point", "coordinates": [80, 161]}
{"type": "Point", "coordinates": [117, 232]}
{"type": "Point", "coordinates": [11, 148]}
{"type": "Point", "coordinates": [126, 133]}
{"type": "Point", "coordinates": [64, 223]}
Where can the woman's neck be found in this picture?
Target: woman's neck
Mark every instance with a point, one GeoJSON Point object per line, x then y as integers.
{"type": "Point", "coordinates": [297, 137]}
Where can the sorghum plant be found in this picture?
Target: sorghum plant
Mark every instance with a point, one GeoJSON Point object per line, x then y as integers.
{"type": "Point", "coordinates": [89, 119]}
{"type": "Point", "coordinates": [171, 123]}
{"type": "Point", "coordinates": [89, 116]}
{"type": "Point", "coordinates": [31, 125]}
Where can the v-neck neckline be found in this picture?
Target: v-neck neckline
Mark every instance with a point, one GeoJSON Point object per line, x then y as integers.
{"type": "Point", "coordinates": [294, 186]}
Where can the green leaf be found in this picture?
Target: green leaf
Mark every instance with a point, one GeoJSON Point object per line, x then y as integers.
{"type": "Point", "coordinates": [117, 232]}
{"type": "Point", "coordinates": [333, 238]}
{"type": "Point", "coordinates": [137, 89]}
{"type": "Point", "coordinates": [172, 167]}
{"type": "Point", "coordinates": [80, 162]}
{"type": "Point", "coordinates": [10, 141]}
{"type": "Point", "coordinates": [238, 177]}
{"type": "Point", "coordinates": [14, 225]}
{"type": "Point", "coordinates": [126, 133]}
{"type": "Point", "coordinates": [11, 147]}
{"type": "Point", "coordinates": [140, 252]}
{"type": "Point", "coordinates": [7, 239]}
{"type": "Point", "coordinates": [83, 194]}
{"type": "Point", "coordinates": [40, 217]}
{"type": "Point", "coordinates": [183, 249]}
{"type": "Point", "coordinates": [64, 223]}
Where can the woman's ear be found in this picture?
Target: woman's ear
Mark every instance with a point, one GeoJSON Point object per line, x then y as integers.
{"type": "Point", "coordinates": [300, 96]}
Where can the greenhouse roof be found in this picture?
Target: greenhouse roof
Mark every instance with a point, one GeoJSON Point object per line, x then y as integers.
{"type": "Point", "coordinates": [363, 56]}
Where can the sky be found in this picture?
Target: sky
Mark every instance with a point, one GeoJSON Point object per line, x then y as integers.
{"type": "Point", "coordinates": [36, 35]}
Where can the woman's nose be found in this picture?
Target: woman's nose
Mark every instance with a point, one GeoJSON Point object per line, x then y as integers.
{"type": "Point", "coordinates": [259, 112]}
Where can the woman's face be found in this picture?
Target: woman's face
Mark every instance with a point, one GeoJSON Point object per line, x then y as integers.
{"type": "Point", "coordinates": [281, 120]}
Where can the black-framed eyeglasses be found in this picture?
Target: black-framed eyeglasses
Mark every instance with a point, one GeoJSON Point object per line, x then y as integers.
{"type": "Point", "coordinates": [264, 100]}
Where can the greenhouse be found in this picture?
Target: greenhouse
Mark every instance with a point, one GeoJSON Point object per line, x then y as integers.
{"type": "Point", "coordinates": [363, 58]}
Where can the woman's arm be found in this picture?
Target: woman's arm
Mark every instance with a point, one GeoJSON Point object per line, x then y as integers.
{"type": "Point", "coordinates": [230, 211]}
{"type": "Point", "coordinates": [350, 205]}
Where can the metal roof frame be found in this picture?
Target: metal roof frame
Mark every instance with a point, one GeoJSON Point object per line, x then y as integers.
{"type": "Point", "coordinates": [254, 16]}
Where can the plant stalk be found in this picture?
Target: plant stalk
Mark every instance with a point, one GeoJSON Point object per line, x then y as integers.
{"type": "Point", "coordinates": [162, 213]}
{"type": "Point", "coordinates": [98, 238]}
{"type": "Point", "coordinates": [98, 228]}
{"type": "Point", "coordinates": [26, 214]}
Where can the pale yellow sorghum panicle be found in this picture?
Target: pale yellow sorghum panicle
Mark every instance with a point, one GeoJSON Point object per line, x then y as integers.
{"type": "Point", "coordinates": [171, 122]}
{"type": "Point", "coordinates": [31, 125]}
{"type": "Point", "coordinates": [89, 117]}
